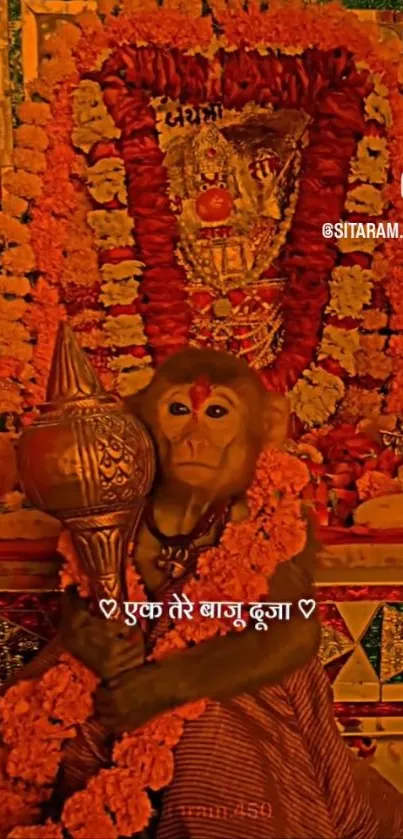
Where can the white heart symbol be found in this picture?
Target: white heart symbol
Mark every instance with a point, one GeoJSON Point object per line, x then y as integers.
{"type": "Point", "coordinates": [307, 607]}
{"type": "Point", "coordinates": [108, 607]}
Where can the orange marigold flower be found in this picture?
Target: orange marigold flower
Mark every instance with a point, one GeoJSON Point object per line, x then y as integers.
{"type": "Point", "coordinates": [24, 184]}
{"type": "Point", "coordinates": [17, 700]}
{"type": "Point", "coordinates": [238, 538]}
{"type": "Point", "coordinates": [40, 87]}
{"type": "Point", "coordinates": [66, 697]}
{"type": "Point", "coordinates": [34, 760]}
{"type": "Point", "coordinates": [16, 807]}
{"type": "Point", "coordinates": [12, 231]}
{"type": "Point", "coordinates": [85, 817]}
{"type": "Point", "coordinates": [89, 51]}
{"type": "Point", "coordinates": [140, 758]}
{"type": "Point", "coordinates": [12, 336]}
{"type": "Point", "coordinates": [45, 293]}
{"type": "Point", "coordinates": [134, 814]}
{"type": "Point", "coordinates": [81, 269]}
{"type": "Point", "coordinates": [81, 673]}
{"type": "Point", "coordinates": [44, 320]}
{"type": "Point", "coordinates": [55, 45]}
{"type": "Point", "coordinates": [79, 236]}
{"type": "Point", "coordinates": [202, 588]}
{"type": "Point", "coordinates": [287, 528]}
{"type": "Point", "coordinates": [53, 70]}
{"type": "Point", "coordinates": [373, 320]}
{"type": "Point", "coordinates": [375, 484]}
{"type": "Point", "coordinates": [30, 160]}
{"type": "Point", "coordinates": [12, 310]}
{"type": "Point", "coordinates": [13, 205]}
{"type": "Point", "coordinates": [165, 730]}
{"type": "Point", "coordinates": [162, 769]}
{"type": "Point", "coordinates": [120, 791]}
{"type": "Point", "coordinates": [69, 32]}
{"type": "Point", "coordinates": [161, 28]}
{"type": "Point", "coordinates": [133, 752]}
{"type": "Point", "coordinates": [31, 137]}
{"type": "Point", "coordinates": [47, 241]}
{"type": "Point", "coordinates": [359, 403]}
{"type": "Point", "coordinates": [229, 571]}
{"type": "Point", "coordinates": [61, 155]}
{"type": "Point", "coordinates": [19, 260]}
{"type": "Point", "coordinates": [371, 359]}
{"type": "Point", "coordinates": [34, 113]}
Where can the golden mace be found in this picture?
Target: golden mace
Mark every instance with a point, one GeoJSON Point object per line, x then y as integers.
{"type": "Point", "coordinates": [87, 461]}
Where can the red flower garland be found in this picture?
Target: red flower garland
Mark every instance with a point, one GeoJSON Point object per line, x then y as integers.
{"type": "Point", "coordinates": [164, 307]}
{"type": "Point", "coordinates": [327, 86]}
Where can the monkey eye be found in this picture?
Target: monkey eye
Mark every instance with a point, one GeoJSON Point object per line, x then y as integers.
{"type": "Point", "coordinates": [216, 411]}
{"type": "Point", "coordinates": [178, 409]}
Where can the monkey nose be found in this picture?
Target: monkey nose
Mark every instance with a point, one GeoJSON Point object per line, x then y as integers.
{"type": "Point", "coordinates": [195, 446]}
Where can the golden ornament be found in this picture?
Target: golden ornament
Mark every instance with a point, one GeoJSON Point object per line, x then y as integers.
{"type": "Point", "coordinates": [89, 463]}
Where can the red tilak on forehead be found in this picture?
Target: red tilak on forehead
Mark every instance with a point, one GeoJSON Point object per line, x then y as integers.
{"type": "Point", "coordinates": [200, 391]}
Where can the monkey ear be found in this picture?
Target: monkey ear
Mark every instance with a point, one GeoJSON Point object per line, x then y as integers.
{"type": "Point", "coordinates": [277, 412]}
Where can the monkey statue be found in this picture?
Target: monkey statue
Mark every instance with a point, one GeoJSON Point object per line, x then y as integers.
{"type": "Point", "coordinates": [265, 759]}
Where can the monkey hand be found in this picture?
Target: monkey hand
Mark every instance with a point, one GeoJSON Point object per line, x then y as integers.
{"type": "Point", "coordinates": [108, 648]}
{"type": "Point", "coordinates": [133, 699]}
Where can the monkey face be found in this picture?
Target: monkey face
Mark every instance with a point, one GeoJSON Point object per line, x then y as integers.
{"type": "Point", "coordinates": [204, 442]}
{"type": "Point", "coordinates": [210, 416]}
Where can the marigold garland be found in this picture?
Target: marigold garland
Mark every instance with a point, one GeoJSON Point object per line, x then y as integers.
{"type": "Point", "coordinates": [348, 464]}
{"type": "Point", "coordinates": [39, 715]}
{"type": "Point", "coordinates": [85, 52]}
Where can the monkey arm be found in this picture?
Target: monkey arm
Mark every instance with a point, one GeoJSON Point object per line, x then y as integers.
{"type": "Point", "coordinates": [238, 662]}
{"type": "Point", "coordinates": [225, 666]}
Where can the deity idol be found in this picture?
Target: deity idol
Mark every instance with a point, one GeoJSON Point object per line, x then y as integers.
{"type": "Point", "coordinates": [234, 187]}
{"type": "Point", "coordinates": [265, 758]}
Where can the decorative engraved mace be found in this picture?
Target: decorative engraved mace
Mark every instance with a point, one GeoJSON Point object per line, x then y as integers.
{"type": "Point", "coordinates": [89, 462]}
